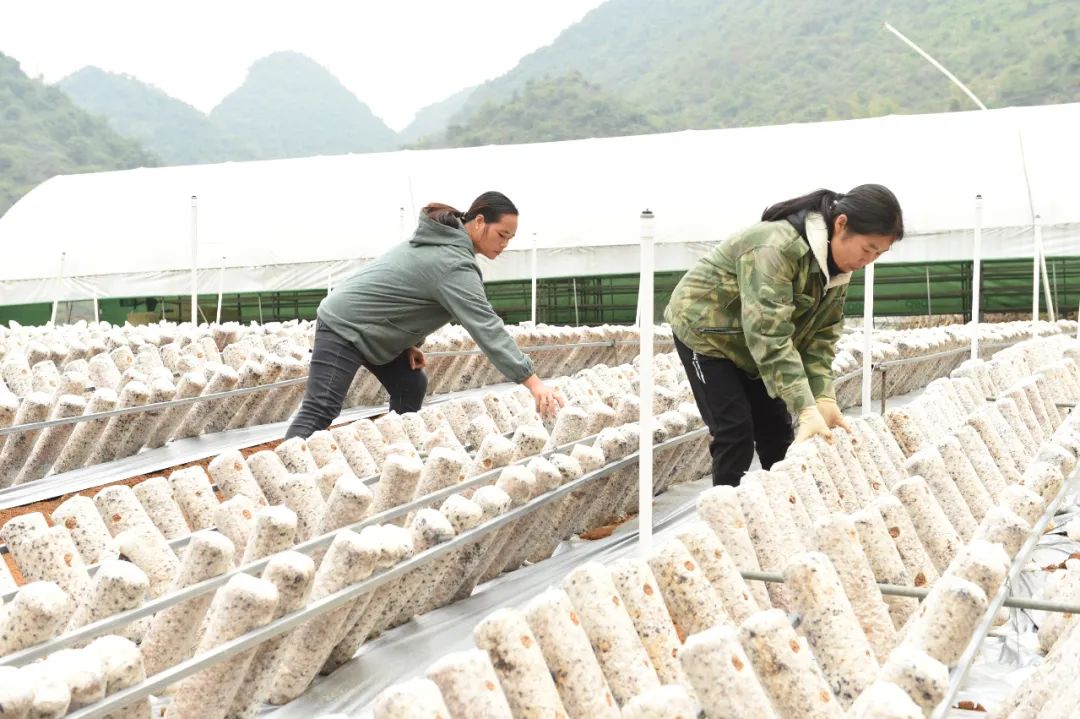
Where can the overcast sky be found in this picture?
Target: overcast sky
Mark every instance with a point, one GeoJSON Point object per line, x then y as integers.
{"type": "Point", "coordinates": [395, 56]}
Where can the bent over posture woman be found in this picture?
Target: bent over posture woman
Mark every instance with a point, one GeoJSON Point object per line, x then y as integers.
{"type": "Point", "coordinates": [379, 317]}
{"type": "Point", "coordinates": [756, 321]}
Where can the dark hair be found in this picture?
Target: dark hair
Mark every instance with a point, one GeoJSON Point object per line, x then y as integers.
{"type": "Point", "coordinates": [870, 209]}
{"type": "Point", "coordinates": [491, 205]}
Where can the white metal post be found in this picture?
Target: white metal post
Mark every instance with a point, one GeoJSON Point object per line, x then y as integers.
{"type": "Point", "coordinates": [1035, 272]}
{"type": "Point", "coordinates": [868, 338]}
{"type": "Point", "coordinates": [645, 385]}
{"type": "Point", "coordinates": [194, 260]}
{"type": "Point", "coordinates": [976, 279]}
{"type": "Point", "coordinates": [533, 273]}
{"type": "Point", "coordinates": [577, 319]}
{"type": "Point", "coordinates": [929, 302]}
{"type": "Point", "coordinates": [59, 288]}
{"type": "Point", "coordinates": [220, 290]}
{"type": "Point", "coordinates": [97, 317]}
{"type": "Point", "coordinates": [1051, 315]}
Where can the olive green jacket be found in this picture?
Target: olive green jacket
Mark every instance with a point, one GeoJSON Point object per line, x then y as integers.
{"type": "Point", "coordinates": [764, 300]}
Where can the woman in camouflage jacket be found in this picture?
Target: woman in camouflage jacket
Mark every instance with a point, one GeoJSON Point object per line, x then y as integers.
{"type": "Point", "coordinates": [757, 319]}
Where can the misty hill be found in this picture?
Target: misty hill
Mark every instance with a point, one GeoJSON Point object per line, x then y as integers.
{"type": "Point", "coordinates": [718, 63]}
{"type": "Point", "coordinates": [43, 133]}
{"type": "Point", "coordinates": [434, 119]}
{"type": "Point", "coordinates": [290, 106]}
{"type": "Point", "coordinates": [561, 108]}
{"type": "Point", "coordinates": [174, 130]}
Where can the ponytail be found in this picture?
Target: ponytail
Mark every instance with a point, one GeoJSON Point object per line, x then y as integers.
{"type": "Point", "coordinates": [444, 215]}
{"type": "Point", "coordinates": [490, 205]}
{"type": "Point", "coordinates": [870, 209]}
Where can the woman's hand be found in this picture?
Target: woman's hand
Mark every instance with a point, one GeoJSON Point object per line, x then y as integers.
{"type": "Point", "coordinates": [416, 358]}
{"type": "Point", "coordinates": [548, 400]}
{"type": "Point", "coordinates": [830, 412]}
{"type": "Point", "coordinates": [811, 424]}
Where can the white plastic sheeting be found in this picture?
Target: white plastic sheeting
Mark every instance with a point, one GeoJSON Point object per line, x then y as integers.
{"type": "Point", "coordinates": [292, 224]}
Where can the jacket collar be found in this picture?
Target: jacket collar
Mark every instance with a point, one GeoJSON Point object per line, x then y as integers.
{"type": "Point", "coordinates": [817, 235]}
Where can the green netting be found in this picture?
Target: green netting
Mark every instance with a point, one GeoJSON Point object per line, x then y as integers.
{"type": "Point", "coordinates": [899, 290]}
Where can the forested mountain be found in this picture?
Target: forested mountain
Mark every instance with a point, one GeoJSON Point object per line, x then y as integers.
{"type": "Point", "coordinates": [434, 119]}
{"type": "Point", "coordinates": [290, 106]}
{"type": "Point", "coordinates": [174, 130]}
{"type": "Point", "coordinates": [560, 108]}
{"type": "Point", "coordinates": [43, 133]}
{"type": "Point", "coordinates": [628, 67]}
{"type": "Point", "coordinates": [726, 63]}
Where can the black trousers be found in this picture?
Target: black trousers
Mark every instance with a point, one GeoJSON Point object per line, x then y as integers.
{"type": "Point", "coordinates": [739, 413]}
{"type": "Point", "coordinates": [334, 363]}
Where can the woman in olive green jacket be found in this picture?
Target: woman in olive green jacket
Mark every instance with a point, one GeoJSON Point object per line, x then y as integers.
{"type": "Point", "coordinates": [757, 319]}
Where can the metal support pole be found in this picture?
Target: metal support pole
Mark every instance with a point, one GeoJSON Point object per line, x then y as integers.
{"type": "Point", "coordinates": [1051, 315]}
{"type": "Point", "coordinates": [58, 289]}
{"type": "Point", "coordinates": [96, 310]}
{"type": "Point", "coordinates": [868, 339]}
{"type": "Point", "coordinates": [194, 260]}
{"type": "Point", "coordinates": [577, 319]}
{"type": "Point", "coordinates": [645, 385]}
{"type": "Point", "coordinates": [929, 304]}
{"type": "Point", "coordinates": [976, 278]}
{"type": "Point", "coordinates": [935, 63]}
{"type": "Point", "coordinates": [533, 273]}
{"type": "Point", "coordinates": [220, 290]}
{"type": "Point", "coordinates": [1035, 271]}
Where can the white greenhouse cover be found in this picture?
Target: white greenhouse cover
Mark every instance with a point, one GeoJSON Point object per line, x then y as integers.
{"type": "Point", "coordinates": [304, 223]}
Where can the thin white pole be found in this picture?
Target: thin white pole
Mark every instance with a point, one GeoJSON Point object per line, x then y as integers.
{"type": "Point", "coordinates": [1035, 272]}
{"type": "Point", "coordinates": [194, 260]}
{"type": "Point", "coordinates": [533, 273]}
{"type": "Point", "coordinates": [936, 64]}
{"type": "Point", "coordinates": [577, 319]}
{"type": "Point", "coordinates": [220, 289]}
{"type": "Point", "coordinates": [645, 377]}
{"type": "Point", "coordinates": [1052, 316]}
{"type": "Point", "coordinates": [868, 337]}
{"type": "Point", "coordinates": [59, 288]}
{"type": "Point", "coordinates": [976, 278]}
{"type": "Point", "coordinates": [929, 304]}
{"type": "Point", "coordinates": [97, 317]}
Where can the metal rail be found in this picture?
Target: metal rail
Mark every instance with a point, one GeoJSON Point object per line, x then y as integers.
{"type": "Point", "coordinates": [885, 365]}
{"type": "Point", "coordinates": [155, 407]}
{"type": "Point", "coordinates": [181, 542]}
{"type": "Point", "coordinates": [103, 626]}
{"type": "Point", "coordinates": [898, 590]}
{"type": "Point", "coordinates": [960, 672]}
{"type": "Point", "coordinates": [158, 406]}
{"type": "Point", "coordinates": [294, 619]}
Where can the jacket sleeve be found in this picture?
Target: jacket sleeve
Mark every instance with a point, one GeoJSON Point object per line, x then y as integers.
{"type": "Point", "coordinates": [819, 352]}
{"type": "Point", "coordinates": [461, 292]}
{"type": "Point", "coordinates": [765, 285]}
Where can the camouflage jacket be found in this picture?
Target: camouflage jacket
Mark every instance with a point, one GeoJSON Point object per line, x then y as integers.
{"type": "Point", "coordinates": [764, 300]}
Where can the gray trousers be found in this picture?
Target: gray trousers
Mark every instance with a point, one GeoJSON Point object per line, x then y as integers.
{"type": "Point", "coordinates": [334, 363]}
